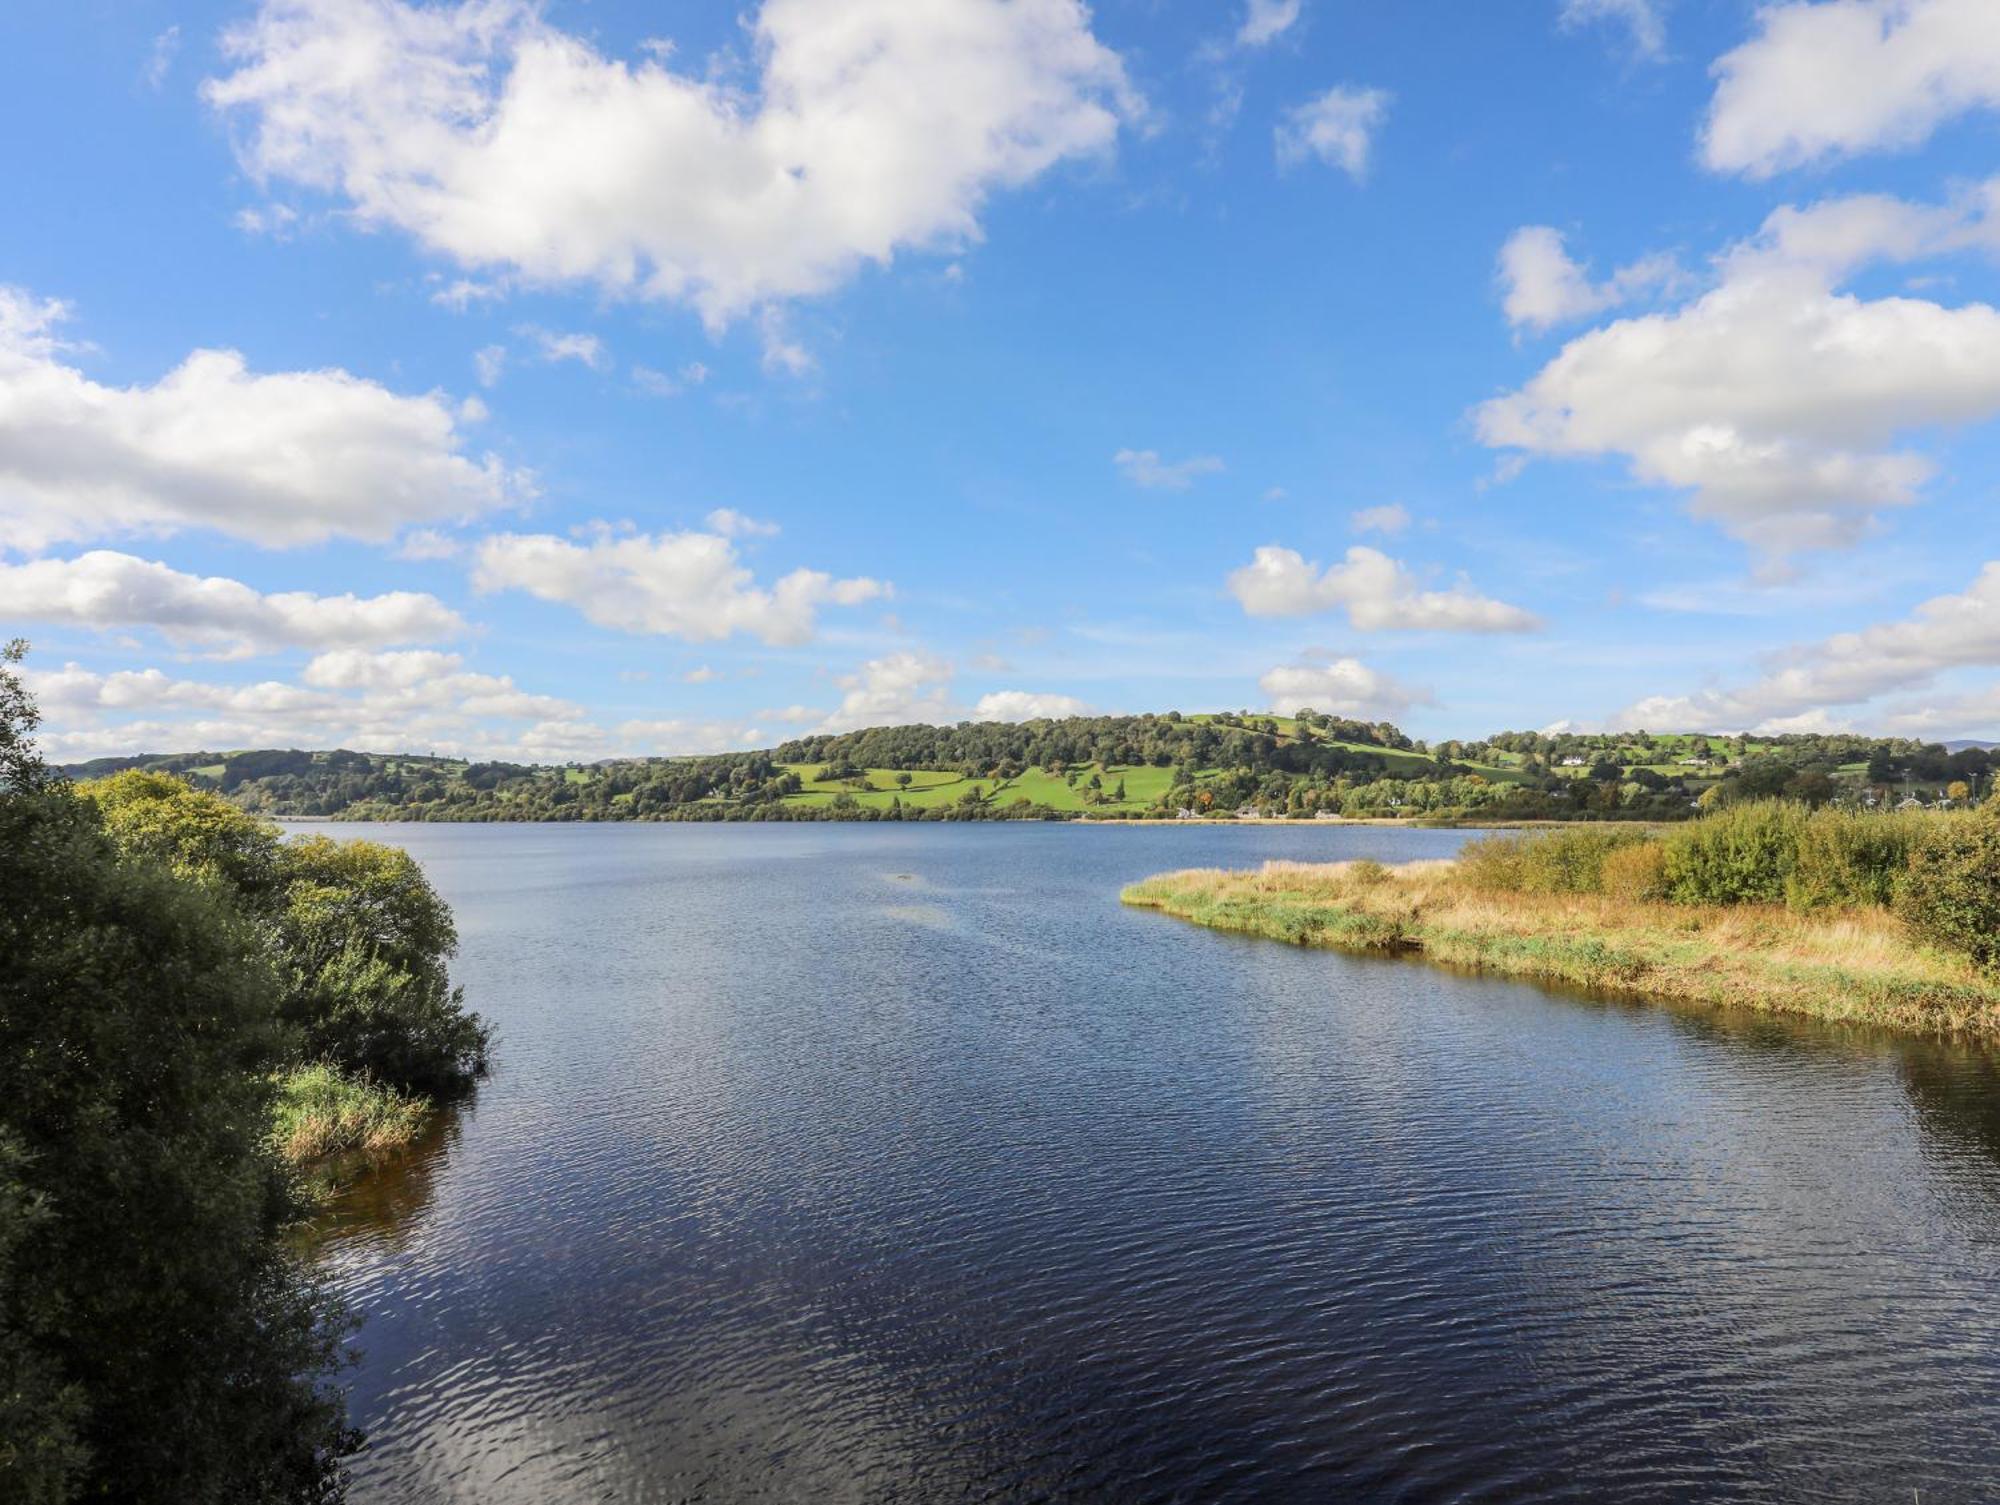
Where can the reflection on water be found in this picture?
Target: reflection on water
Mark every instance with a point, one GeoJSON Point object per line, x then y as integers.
{"type": "Point", "coordinates": [380, 1203]}
{"type": "Point", "coordinates": [903, 1163]}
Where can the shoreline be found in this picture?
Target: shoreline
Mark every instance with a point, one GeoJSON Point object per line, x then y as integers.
{"type": "Point", "coordinates": [1848, 966]}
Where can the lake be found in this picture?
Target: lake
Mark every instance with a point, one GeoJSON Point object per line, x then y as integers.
{"type": "Point", "coordinates": [901, 1162]}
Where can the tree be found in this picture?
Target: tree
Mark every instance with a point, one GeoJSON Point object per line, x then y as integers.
{"type": "Point", "coordinates": [365, 940]}
{"type": "Point", "coordinates": [159, 1340]}
{"type": "Point", "coordinates": [358, 938]}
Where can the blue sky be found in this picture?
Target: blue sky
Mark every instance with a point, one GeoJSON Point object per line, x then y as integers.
{"type": "Point", "coordinates": [574, 379]}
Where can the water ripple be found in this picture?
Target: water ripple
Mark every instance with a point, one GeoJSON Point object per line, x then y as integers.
{"type": "Point", "coordinates": [861, 1164]}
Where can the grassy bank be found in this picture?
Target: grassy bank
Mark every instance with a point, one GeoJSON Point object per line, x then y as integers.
{"type": "Point", "coordinates": [322, 1112]}
{"type": "Point", "coordinates": [1858, 964]}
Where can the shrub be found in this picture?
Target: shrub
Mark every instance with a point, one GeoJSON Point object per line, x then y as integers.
{"type": "Point", "coordinates": [1549, 862]}
{"type": "Point", "coordinates": [196, 834]}
{"type": "Point", "coordinates": [171, 1345]}
{"type": "Point", "coordinates": [1738, 854]}
{"type": "Point", "coordinates": [1635, 872]}
{"type": "Point", "coordinates": [365, 939]}
{"type": "Point", "coordinates": [1951, 895]}
{"type": "Point", "coordinates": [1493, 863]}
{"type": "Point", "coordinates": [1849, 858]}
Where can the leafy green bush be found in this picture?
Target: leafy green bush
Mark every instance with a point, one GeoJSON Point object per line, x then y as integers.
{"type": "Point", "coordinates": [1951, 895]}
{"type": "Point", "coordinates": [170, 1344]}
{"type": "Point", "coordinates": [1852, 858]}
{"type": "Point", "coordinates": [1548, 862]}
{"type": "Point", "coordinates": [1635, 872]}
{"type": "Point", "coordinates": [1493, 863]}
{"type": "Point", "coordinates": [360, 939]}
{"type": "Point", "coordinates": [193, 833]}
{"type": "Point", "coordinates": [1739, 854]}
{"type": "Point", "coordinates": [365, 939]}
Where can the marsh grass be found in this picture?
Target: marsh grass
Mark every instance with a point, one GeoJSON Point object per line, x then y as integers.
{"type": "Point", "coordinates": [321, 1112]}
{"type": "Point", "coordinates": [1856, 964]}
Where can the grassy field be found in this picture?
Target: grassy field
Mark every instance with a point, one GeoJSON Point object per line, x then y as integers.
{"type": "Point", "coordinates": [1849, 965]}
{"type": "Point", "coordinates": [878, 788]}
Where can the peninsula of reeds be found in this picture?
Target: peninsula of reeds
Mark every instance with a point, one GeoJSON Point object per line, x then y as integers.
{"type": "Point", "coordinates": [1889, 919]}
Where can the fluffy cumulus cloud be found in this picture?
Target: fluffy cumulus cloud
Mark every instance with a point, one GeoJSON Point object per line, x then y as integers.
{"type": "Point", "coordinates": [280, 459]}
{"type": "Point", "coordinates": [1026, 705]}
{"type": "Point", "coordinates": [1340, 687]}
{"type": "Point", "coordinates": [1376, 592]}
{"type": "Point", "coordinates": [1774, 397]}
{"type": "Point", "coordinates": [1643, 21]}
{"type": "Point", "coordinates": [1144, 467]}
{"type": "Point", "coordinates": [1542, 287]}
{"type": "Point", "coordinates": [103, 590]}
{"type": "Point", "coordinates": [1834, 78]}
{"type": "Point", "coordinates": [416, 700]}
{"type": "Point", "coordinates": [898, 689]}
{"type": "Point", "coordinates": [1947, 632]}
{"type": "Point", "coordinates": [685, 585]}
{"type": "Point", "coordinates": [498, 140]}
{"type": "Point", "coordinates": [1337, 128]}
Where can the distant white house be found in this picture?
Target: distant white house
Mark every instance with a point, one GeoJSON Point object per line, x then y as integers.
{"type": "Point", "coordinates": [1249, 812]}
{"type": "Point", "coordinates": [1326, 815]}
{"type": "Point", "coordinates": [1187, 812]}
{"type": "Point", "coordinates": [1570, 763]}
{"type": "Point", "coordinates": [1694, 762]}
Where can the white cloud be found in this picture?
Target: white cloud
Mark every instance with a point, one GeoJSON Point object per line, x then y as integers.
{"type": "Point", "coordinates": [733, 524]}
{"type": "Point", "coordinates": [899, 689]}
{"type": "Point", "coordinates": [1642, 19]}
{"type": "Point", "coordinates": [417, 701]}
{"type": "Point", "coordinates": [687, 585]}
{"type": "Point", "coordinates": [1377, 593]}
{"type": "Point", "coordinates": [1544, 287]}
{"type": "Point", "coordinates": [102, 589]}
{"type": "Point", "coordinates": [1340, 687]}
{"type": "Point", "coordinates": [1264, 21]}
{"type": "Point", "coordinates": [428, 543]}
{"type": "Point", "coordinates": [1835, 79]}
{"type": "Point", "coordinates": [489, 362]}
{"type": "Point", "coordinates": [501, 141]}
{"type": "Point", "coordinates": [1773, 397]}
{"type": "Point", "coordinates": [1338, 127]}
{"type": "Point", "coordinates": [1144, 467]}
{"type": "Point", "coordinates": [703, 675]}
{"type": "Point", "coordinates": [1946, 632]}
{"type": "Point", "coordinates": [290, 458]}
{"type": "Point", "coordinates": [659, 384]}
{"type": "Point", "coordinates": [1027, 705]}
{"type": "Point", "coordinates": [677, 737]}
{"type": "Point", "coordinates": [1388, 521]}
{"type": "Point", "coordinates": [561, 345]}
{"type": "Point", "coordinates": [160, 60]}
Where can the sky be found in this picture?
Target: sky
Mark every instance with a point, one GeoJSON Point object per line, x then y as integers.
{"type": "Point", "coordinates": [587, 378]}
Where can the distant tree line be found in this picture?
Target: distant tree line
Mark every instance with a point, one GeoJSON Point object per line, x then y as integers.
{"type": "Point", "coordinates": [1298, 766]}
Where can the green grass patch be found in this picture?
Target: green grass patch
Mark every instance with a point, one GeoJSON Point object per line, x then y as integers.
{"type": "Point", "coordinates": [321, 1111]}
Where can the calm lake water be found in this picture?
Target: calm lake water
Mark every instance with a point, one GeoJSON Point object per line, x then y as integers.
{"type": "Point", "coordinates": [903, 1163]}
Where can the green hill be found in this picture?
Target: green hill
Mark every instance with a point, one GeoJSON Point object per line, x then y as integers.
{"type": "Point", "coordinates": [1105, 767]}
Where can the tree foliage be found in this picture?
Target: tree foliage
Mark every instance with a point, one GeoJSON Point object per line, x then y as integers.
{"type": "Point", "coordinates": [159, 1340]}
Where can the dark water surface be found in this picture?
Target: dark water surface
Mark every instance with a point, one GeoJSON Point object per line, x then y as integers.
{"type": "Point", "coordinates": [902, 1163]}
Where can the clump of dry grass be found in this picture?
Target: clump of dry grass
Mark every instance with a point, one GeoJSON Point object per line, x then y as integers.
{"type": "Point", "coordinates": [321, 1111]}
{"type": "Point", "coordinates": [1855, 964]}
